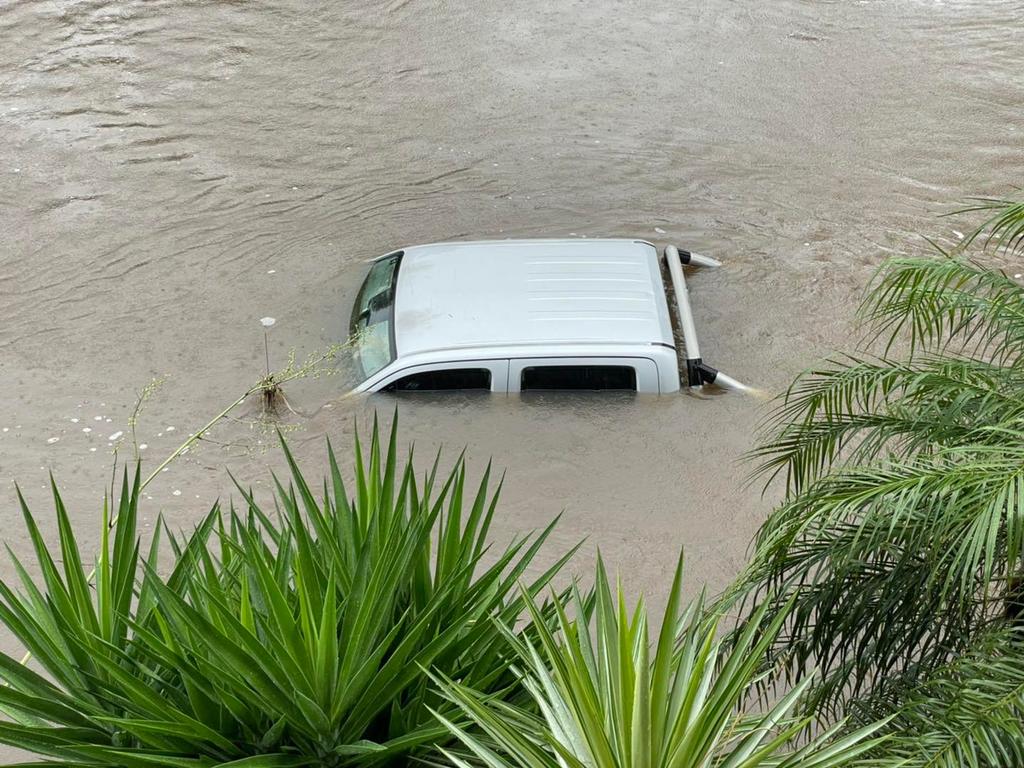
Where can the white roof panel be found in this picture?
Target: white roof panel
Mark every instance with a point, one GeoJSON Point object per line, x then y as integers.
{"type": "Point", "coordinates": [529, 292]}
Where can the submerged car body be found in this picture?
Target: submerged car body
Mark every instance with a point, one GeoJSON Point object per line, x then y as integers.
{"type": "Point", "coordinates": [514, 315]}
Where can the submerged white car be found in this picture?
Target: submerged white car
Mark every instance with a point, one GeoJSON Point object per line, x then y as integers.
{"type": "Point", "coordinates": [519, 315]}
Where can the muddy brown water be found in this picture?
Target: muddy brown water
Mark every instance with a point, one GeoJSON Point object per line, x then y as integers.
{"type": "Point", "coordinates": [172, 172]}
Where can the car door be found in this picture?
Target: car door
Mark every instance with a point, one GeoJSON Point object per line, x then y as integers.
{"type": "Point", "coordinates": [638, 374]}
{"type": "Point", "coordinates": [464, 375]}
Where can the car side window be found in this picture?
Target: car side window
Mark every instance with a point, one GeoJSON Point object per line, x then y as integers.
{"type": "Point", "coordinates": [446, 379]}
{"type": "Point", "coordinates": [584, 377]}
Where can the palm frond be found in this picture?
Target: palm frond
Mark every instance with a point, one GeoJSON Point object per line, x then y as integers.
{"type": "Point", "coordinates": [901, 536]}
{"type": "Point", "coordinates": [939, 301]}
{"type": "Point", "coordinates": [967, 712]}
{"type": "Point", "coordinates": [1004, 225]}
{"type": "Point", "coordinates": [894, 563]}
{"type": "Point", "coordinates": [858, 410]}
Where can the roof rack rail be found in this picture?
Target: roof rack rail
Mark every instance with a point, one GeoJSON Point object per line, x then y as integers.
{"type": "Point", "coordinates": [698, 373]}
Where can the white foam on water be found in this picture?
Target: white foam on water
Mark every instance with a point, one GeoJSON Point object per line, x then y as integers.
{"type": "Point", "coordinates": [115, 436]}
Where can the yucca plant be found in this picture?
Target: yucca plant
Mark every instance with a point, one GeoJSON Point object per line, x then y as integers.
{"type": "Point", "coordinates": [900, 544]}
{"type": "Point", "coordinates": [603, 698]}
{"type": "Point", "coordinates": [288, 639]}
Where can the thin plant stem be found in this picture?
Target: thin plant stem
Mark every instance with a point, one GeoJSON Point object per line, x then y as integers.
{"type": "Point", "coordinates": [290, 373]}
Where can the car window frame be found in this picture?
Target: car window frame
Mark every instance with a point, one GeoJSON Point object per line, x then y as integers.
{"type": "Point", "coordinates": [648, 380]}
{"type": "Point", "coordinates": [498, 369]}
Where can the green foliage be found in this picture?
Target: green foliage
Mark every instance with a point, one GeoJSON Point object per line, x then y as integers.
{"type": "Point", "coordinates": [969, 712]}
{"type": "Point", "coordinates": [605, 701]}
{"type": "Point", "coordinates": [905, 518]}
{"type": "Point", "coordinates": [1005, 224]}
{"type": "Point", "coordinates": [301, 638]}
{"type": "Point", "coordinates": [899, 547]}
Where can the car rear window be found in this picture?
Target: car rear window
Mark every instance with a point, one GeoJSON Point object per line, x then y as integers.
{"type": "Point", "coordinates": [584, 377]}
{"type": "Point", "coordinates": [433, 381]}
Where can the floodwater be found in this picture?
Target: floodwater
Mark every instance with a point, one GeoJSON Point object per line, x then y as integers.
{"type": "Point", "coordinates": [171, 172]}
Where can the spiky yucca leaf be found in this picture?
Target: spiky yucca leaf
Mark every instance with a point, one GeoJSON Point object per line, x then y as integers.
{"type": "Point", "coordinates": [293, 639]}
{"type": "Point", "coordinates": [608, 700]}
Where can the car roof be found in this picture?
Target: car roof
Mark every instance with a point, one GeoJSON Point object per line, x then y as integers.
{"type": "Point", "coordinates": [499, 293]}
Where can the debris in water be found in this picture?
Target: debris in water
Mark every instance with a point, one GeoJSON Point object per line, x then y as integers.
{"type": "Point", "coordinates": [143, 447]}
{"type": "Point", "coordinates": [93, 449]}
{"type": "Point", "coordinates": [1018, 276]}
{"type": "Point", "coordinates": [7, 429]}
{"type": "Point", "coordinates": [659, 230]}
{"type": "Point", "coordinates": [115, 435]}
{"type": "Point", "coordinates": [52, 440]}
{"type": "Point", "coordinates": [74, 421]}
{"type": "Point", "coordinates": [176, 492]}
{"type": "Point", "coordinates": [97, 418]}
{"type": "Point", "coordinates": [87, 430]}
{"type": "Point", "coordinates": [267, 322]}
{"type": "Point", "coordinates": [271, 271]}
{"type": "Point", "coordinates": [169, 429]}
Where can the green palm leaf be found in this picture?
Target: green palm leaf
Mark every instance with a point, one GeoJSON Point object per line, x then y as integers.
{"type": "Point", "coordinates": [898, 551]}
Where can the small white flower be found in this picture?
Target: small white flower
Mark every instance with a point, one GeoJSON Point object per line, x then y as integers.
{"type": "Point", "coordinates": [267, 322]}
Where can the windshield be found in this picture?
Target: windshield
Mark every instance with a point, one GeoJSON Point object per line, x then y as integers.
{"type": "Point", "coordinates": [372, 332]}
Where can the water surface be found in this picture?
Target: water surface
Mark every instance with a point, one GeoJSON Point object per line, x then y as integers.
{"type": "Point", "coordinates": [173, 171]}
